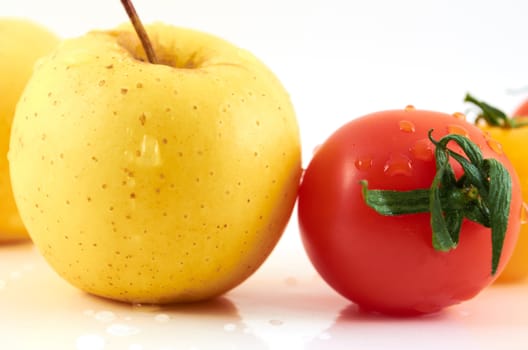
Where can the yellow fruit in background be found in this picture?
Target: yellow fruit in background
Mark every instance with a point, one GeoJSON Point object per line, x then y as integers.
{"type": "Point", "coordinates": [22, 43]}
{"type": "Point", "coordinates": [154, 183]}
{"type": "Point", "coordinates": [513, 143]}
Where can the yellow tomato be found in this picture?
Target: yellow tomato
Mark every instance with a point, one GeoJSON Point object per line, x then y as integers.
{"type": "Point", "coordinates": [510, 135]}
{"type": "Point", "coordinates": [514, 143]}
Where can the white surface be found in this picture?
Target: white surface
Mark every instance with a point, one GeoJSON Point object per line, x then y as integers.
{"type": "Point", "coordinates": [339, 60]}
{"type": "Point", "coordinates": [285, 305]}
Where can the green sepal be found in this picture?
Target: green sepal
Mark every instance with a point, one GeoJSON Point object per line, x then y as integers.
{"type": "Point", "coordinates": [500, 189]}
{"type": "Point", "coordinates": [392, 203]}
{"type": "Point", "coordinates": [482, 194]}
{"type": "Point", "coordinates": [494, 116]}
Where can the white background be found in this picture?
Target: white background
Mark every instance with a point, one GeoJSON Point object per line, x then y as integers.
{"type": "Point", "coordinates": [339, 59]}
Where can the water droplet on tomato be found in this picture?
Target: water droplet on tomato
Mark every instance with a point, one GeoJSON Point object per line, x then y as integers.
{"type": "Point", "coordinates": [495, 145]}
{"type": "Point", "coordinates": [409, 108]}
{"type": "Point", "coordinates": [524, 213]}
{"type": "Point", "coordinates": [398, 164]}
{"type": "Point", "coordinates": [422, 150]}
{"type": "Point", "coordinates": [363, 163]}
{"type": "Point", "coordinates": [457, 129]}
{"type": "Point", "coordinates": [459, 116]}
{"type": "Point", "coordinates": [407, 126]}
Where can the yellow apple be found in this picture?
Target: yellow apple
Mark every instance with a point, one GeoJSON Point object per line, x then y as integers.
{"type": "Point", "coordinates": [22, 42]}
{"type": "Point", "coordinates": [154, 183]}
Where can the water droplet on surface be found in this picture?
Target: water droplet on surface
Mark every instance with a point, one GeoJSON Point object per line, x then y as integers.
{"type": "Point", "coordinates": [291, 281]}
{"type": "Point", "coordinates": [276, 322]}
{"type": "Point", "coordinates": [524, 216]}
{"type": "Point", "coordinates": [162, 318]}
{"type": "Point", "coordinates": [407, 126]}
{"type": "Point", "coordinates": [121, 330]}
{"type": "Point", "coordinates": [398, 164]}
{"type": "Point", "coordinates": [495, 145]}
{"type": "Point", "coordinates": [409, 108]}
{"type": "Point", "coordinates": [363, 163]}
{"type": "Point", "coordinates": [459, 116]}
{"type": "Point", "coordinates": [423, 150]}
{"type": "Point", "coordinates": [15, 275]}
{"type": "Point", "coordinates": [457, 129]}
{"type": "Point", "coordinates": [229, 327]}
{"type": "Point", "coordinates": [90, 342]}
{"type": "Point", "coordinates": [105, 316]}
{"type": "Point", "coordinates": [28, 267]}
{"type": "Point", "coordinates": [89, 312]}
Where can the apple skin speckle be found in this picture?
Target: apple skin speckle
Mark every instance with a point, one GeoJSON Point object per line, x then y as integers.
{"type": "Point", "coordinates": [173, 182]}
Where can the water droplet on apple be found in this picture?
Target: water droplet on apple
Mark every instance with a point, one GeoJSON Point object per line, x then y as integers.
{"type": "Point", "coordinates": [398, 164]}
{"type": "Point", "coordinates": [363, 163]}
{"type": "Point", "coordinates": [149, 152]}
{"type": "Point", "coordinates": [423, 150]}
{"type": "Point", "coordinates": [457, 129]}
{"type": "Point", "coordinates": [406, 126]}
{"type": "Point", "coordinates": [409, 108]}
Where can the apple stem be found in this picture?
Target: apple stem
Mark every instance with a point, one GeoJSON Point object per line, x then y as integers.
{"type": "Point", "coordinates": [140, 30]}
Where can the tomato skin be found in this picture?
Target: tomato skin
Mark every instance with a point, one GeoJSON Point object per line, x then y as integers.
{"type": "Point", "coordinates": [522, 110]}
{"type": "Point", "coordinates": [388, 264]}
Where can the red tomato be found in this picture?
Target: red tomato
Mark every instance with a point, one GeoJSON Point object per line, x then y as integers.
{"type": "Point", "coordinates": [387, 263]}
{"type": "Point", "coordinates": [522, 110]}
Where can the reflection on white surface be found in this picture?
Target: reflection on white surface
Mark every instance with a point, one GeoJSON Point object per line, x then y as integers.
{"type": "Point", "coordinates": [90, 342]}
{"type": "Point", "coordinates": [285, 305]}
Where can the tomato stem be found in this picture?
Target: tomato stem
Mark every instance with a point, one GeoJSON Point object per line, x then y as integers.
{"type": "Point", "coordinates": [482, 194]}
{"type": "Point", "coordinates": [494, 116]}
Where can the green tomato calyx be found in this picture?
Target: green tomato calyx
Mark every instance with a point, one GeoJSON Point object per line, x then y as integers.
{"type": "Point", "coordinates": [482, 194]}
{"type": "Point", "coordinates": [494, 116]}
